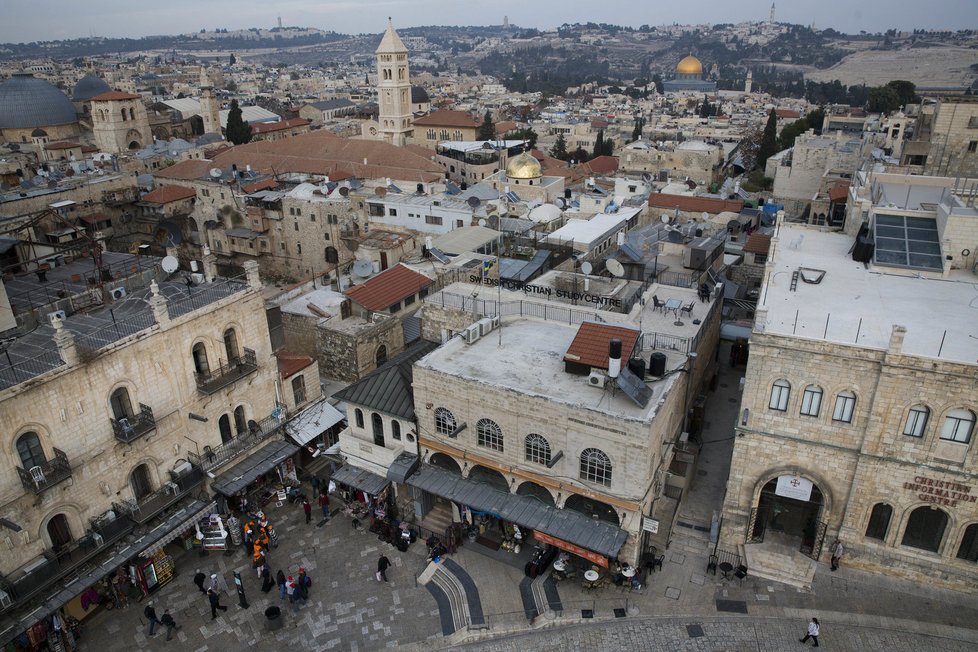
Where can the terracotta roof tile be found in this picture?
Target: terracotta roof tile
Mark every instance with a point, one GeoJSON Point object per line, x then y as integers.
{"type": "Point", "coordinates": [839, 192]}
{"type": "Point", "coordinates": [185, 170]}
{"type": "Point", "coordinates": [757, 243]}
{"type": "Point", "coordinates": [448, 118]}
{"type": "Point", "coordinates": [167, 194]}
{"type": "Point", "coordinates": [291, 363]}
{"type": "Point", "coordinates": [695, 204]}
{"type": "Point", "coordinates": [388, 287]}
{"type": "Point", "coordinates": [281, 125]}
{"type": "Point", "coordinates": [787, 113]}
{"type": "Point", "coordinates": [108, 96]}
{"type": "Point", "coordinates": [265, 184]}
{"type": "Point", "coordinates": [590, 345]}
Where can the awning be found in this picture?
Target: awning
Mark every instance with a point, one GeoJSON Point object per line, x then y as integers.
{"type": "Point", "coordinates": [566, 524]}
{"type": "Point", "coordinates": [312, 422]}
{"type": "Point", "coordinates": [361, 479]}
{"type": "Point", "coordinates": [175, 525]}
{"type": "Point", "coordinates": [247, 470]}
{"type": "Point", "coordinates": [403, 465]}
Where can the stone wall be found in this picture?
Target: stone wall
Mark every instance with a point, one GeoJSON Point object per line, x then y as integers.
{"type": "Point", "coordinates": [349, 354]}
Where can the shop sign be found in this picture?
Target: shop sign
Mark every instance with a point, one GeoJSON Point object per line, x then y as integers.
{"type": "Point", "coordinates": [791, 486]}
{"type": "Point", "coordinates": [600, 560]}
{"type": "Point", "coordinates": [650, 525]}
{"type": "Point", "coordinates": [940, 492]}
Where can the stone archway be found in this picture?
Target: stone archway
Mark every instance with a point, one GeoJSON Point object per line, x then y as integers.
{"type": "Point", "coordinates": [490, 477]}
{"type": "Point", "coordinates": [791, 509]}
{"type": "Point", "coordinates": [446, 462]}
{"type": "Point", "coordinates": [593, 508]}
{"type": "Point", "coordinates": [536, 491]}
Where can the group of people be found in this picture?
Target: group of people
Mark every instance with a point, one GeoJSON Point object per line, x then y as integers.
{"type": "Point", "coordinates": [295, 588]}
{"type": "Point", "coordinates": [166, 620]}
{"type": "Point", "coordinates": [213, 591]}
{"type": "Point", "coordinates": [259, 536]}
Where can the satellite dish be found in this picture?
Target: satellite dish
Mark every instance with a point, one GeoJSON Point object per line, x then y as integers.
{"type": "Point", "coordinates": [344, 191]}
{"type": "Point", "coordinates": [616, 268]}
{"type": "Point", "coordinates": [664, 219]}
{"type": "Point", "coordinates": [217, 173]}
{"type": "Point", "coordinates": [380, 191]}
{"type": "Point", "coordinates": [482, 222]}
{"type": "Point", "coordinates": [473, 201]}
{"type": "Point", "coordinates": [560, 203]}
{"type": "Point", "coordinates": [170, 264]}
{"type": "Point", "coordinates": [586, 268]}
{"type": "Point", "coordinates": [362, 268]}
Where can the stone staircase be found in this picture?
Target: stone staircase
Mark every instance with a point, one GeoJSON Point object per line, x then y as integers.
{"type": "Point", "coordinates": [780, 564]}
{"type": "Point", "coordinates": [459, 603]}
{"type": "Point", "coordinates": [438, 519]}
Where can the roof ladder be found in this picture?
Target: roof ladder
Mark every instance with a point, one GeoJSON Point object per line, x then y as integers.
{"type": "Point", "coordinates": [794, 280]}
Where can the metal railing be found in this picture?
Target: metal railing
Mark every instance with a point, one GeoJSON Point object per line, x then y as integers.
{"type": "Point", "coordinates": [149, 506]}
{"type": "Point", "coordinates": [129, 429]}
{"type": "Point", "coordinates": [225, 374]}
{"type": "Point", "coordinates": [47, 474]}
{"type": "Point", "coordinates": [258, 431]}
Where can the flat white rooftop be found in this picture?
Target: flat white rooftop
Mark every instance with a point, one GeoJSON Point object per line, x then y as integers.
{"type": "Point", "coordinates": [855, 305]}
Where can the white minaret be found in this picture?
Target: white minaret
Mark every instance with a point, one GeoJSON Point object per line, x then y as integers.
{"type": "Point", "coordinates": [749, 82]}
{"type": "Point", "coordinates": [208, 105]}
{"type": "Point", "coordinates": [393, 88]}
{"type": "Point", "coordinates": [771, 19]}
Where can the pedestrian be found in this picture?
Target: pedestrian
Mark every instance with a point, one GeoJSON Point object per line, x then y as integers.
{"type": "Point", "coordinates": [290, 591]}
{"type": "Point", "coordinates": [837, 550]}
{"type": "Point", "coordinates": [150, 614]}
{"type": "Point", "coordinates": [812, 633]}
{"type": "Point", "coordinates": [199, 579]}
{"type": "Point", "coordinates": [169, 623]}
{"type": "Point", "coordinates": [280, 580]}
{"type": "Point", "coordinates": [324, 505]}
{"type": "Point", "coordinates": [266, 579]}
{"type": "Point", "coordinates": [303, 583]}
{"type": "Point", "coordinates": [215, 601]}
{"type": "Point", "coordinates": [315, 486]}
{"type": "Point", "coordinates": [307, 508]}
{"type": "Point", "coordinates": [382, 565]}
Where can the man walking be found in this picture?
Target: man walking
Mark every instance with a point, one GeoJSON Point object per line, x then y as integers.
{"type": "Point", "coordinates": [170, 624]}
{"type": "Point", "coordinates": [837, 551]}
{"type": "Point", "coordinates": [307, 508]}
{"type": "Point", "coordinates": [150, 614]}
{"type": "Point", "coordinates": [215, 601]}
{"type": "Point", "coordinates": [315, 486]}
{"type": "Point", "coordinates": [812, 633]}
{"type": "Point", "coordinates": [199, 579]}
{"type": "Point", "coordinates": [324, 505]}
{"type": "Point", "coordinates": [382, 565]}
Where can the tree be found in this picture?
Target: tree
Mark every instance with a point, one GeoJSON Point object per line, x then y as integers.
{"type": "Point", "coordinates": [906, 91]}
{"type": "Point", "coordinates": [579, 155]}
{"type": "Point", "coordinates": [559, 149]}
{"type": "Point", "coordinates": [237, 131]}
{"type": "Point", "coordinates": [750, 145]}
{"type": "Point", "coordinates": [637, 131]}
{"type": "Point", "coordinates": [769, 140]}
{"type": "Point", "coordinates": [487, 130]}
{"type": "Point", "coordinates": [883, 99]}
{"type": "Point", "coordinates": [526, 134]}
{"type": "Point", "coordinates": [232, 60]}
{"type": "Point", "coordinates": [599, 144]}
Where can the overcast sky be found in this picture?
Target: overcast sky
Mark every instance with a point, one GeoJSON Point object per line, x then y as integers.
{"type": "Point", "coordinates": [40, 20]}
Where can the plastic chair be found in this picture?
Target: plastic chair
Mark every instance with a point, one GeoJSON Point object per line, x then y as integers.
{"type": "Point", "coordinates": [37, 475]}
{"type": "Point", "coordinates": [656, 304]}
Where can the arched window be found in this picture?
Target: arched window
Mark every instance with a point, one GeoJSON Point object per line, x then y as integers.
{"type": "Point", "coordinates": [811, 401]}
{"type": "Point", "coordinates": [845, 404]}
{"type": "Point", "coordinates": [120, 404]}
{"type": "Point", "coordinates": [381, 356]}
{"type": "Point", "coordinates": [140, 483]}
{"type": "Point", "coordinates": [595, 467]}
{"type": "Point", "coordinates": [396, 429]}
{"type": "Point", "coordinates": [132, 114]}
{"type": "Point", "coordinates": [123, 115]}
{"type": "Point", "coordinates": [299, 390]}
{"type": "Point", "coordinates": [489, 435]}
{"type": "Point", "coordinates": [917, 419]}
{"type": "Point", "coordinates": [925, 528]}
{"type": "Point", "coordinates": [537, 449]}
{"type": "Point", "coordinates": [377, 422]}
{"type": "Point", "coordinates": [240, 420]}
{"type": "Point", "coordinates": [60, 533]}
{"type": "Point", "coordinates": [231, 344]}
{"type": "Point", "coordinates": [958, 426]}
{"type": "Point", "coordinates": [879, 521]}
{"type": "Point", "coordinates": [30, 451]}
{"type": "Point", "coordinates": [780, 392]}
{"type": "Point", "coordinates": [332, 256]}
{"type": "Point", "coordinates": [224, 425]}
{"type": "Point", "coordinates": [358, 413]}
{"type": "Point", "coordinates": [200, 358]}
{"type": "Point", "coordinates": [444, 421]}
{"type": "Point", "coordinates": [968, 550]}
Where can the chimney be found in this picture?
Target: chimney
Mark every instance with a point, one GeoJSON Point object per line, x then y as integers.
{"type": "Point", "coordinates": [158, 303]}
{"type": "Point", "coordinates": [614, 358]}
{"type": "Point", "coordinates": [64, 340]}
{"type": "Point", "coordinates": [896, 339]}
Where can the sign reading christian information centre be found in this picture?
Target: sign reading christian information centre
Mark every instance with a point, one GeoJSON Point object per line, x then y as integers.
{"type": "Point", "coordinates": [940, 492]}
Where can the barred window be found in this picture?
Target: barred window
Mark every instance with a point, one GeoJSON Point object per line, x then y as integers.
{"type": "Point", "coordinates": [916, 421]}
{"type": "Point", "coordinates": [537, 449]}
{"type": "Point", "coordinates": [490, 435]}
{"type": "Point", "coordinates": [780, 392]}
{"type": "Point", "coordinates": [811, 401]}
{"type": "Point", "coordinates": [444, 421]}
{"type": "Point", "coordinates": [596, 467]}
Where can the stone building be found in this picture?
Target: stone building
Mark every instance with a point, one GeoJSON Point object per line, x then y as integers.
{"type": "Point", "coordinates": [945, 138]}
{"type": "Point", "coordinates": [798, 172]}
{"type": "Point", "coordinates": [28, 104]}
{"type": "Point", "coordinates": [119, 122]}
{"type": "Point", "coordinates": [696, 160]}
{"type": "Point", "coordinates": [394, 119]}
{"type": "Point", "coordinates": [858, 412]}
{"type": "Point", "coordinates": [689, 77]}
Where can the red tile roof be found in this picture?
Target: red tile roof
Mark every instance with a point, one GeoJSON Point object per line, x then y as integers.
{"type": "Point", "coordinates": [167, 194]}
{"type": "Point", "coordinates": [185, 170]}
{"type": "Point", "coordinates": [757, 243]}
{"type": "Point", "coordinates": [787, 113]}
{"type": "Point", "coordinates": [281, 125]}
{"type": "Point", "coordinates": [108, 96]}
{"type": "Point", "coordinates": [839, 192]}
{"type": "Point", "coordinates": [448, 118]}
{"type": "Point", "coordinates": [266, 184]}
{"type": "Point", "coordinates": [94, 218]}
{"type": "Point", "coordinates": [695, 204]}
{"type": "Point", "coordinates": [388, 287]}
{"type": "Point", "coordinates": [590, 345]}
{"type": "Point", "coordinates": [291, 363]}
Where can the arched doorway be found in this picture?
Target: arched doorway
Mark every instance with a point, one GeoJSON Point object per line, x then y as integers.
{"type": "Point", "coordinates": [200, 359]}
{"type": "Point", "coordinates": [60, 534]}
{"type": "Point", "coordinates": [789, 510]}
{"type": "Point", "coordinates": [445, 462]}
{"type": "Point", "coordinates": [140, 482]}
{"type": "Point", "coordinates": [533, 490]}
{"type": "Point", "coordinates": [240, 422]}
{"type": "Point", "coordinates": [381, 356]}
{"type": "Point", "coordinates": [231, 345]}
{"type": "Point", "coordinates": [224, 425]}
{"type": "Point", "coordinates": [489, 476]}
{"type": "Point", "coordinates": [593, 508]}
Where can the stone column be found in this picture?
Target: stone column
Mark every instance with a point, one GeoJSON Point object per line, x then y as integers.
{"type": "Point", "coordinates": [65, 341]}
{"type": "Point", "coordinates": [158, 303]}
{"type": "Point", "coordinates": [251, 270]}
{"type": "Point", "coordinates": [896, 340]}
{"type": "Point", "coordinates": [210, 265]}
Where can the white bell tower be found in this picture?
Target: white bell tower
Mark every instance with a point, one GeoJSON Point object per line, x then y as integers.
{"type": "Point", "coordinates": [393, 88]}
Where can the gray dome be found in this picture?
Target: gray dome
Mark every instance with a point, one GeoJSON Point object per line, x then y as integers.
{"type": "Point", "coordinates": [27, 102]}
{"type": "Point", "coordinates": [88, 87]}
{"type": "Point", "coordinates": [419, 95]}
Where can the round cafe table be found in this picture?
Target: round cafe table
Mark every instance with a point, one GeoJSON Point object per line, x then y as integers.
{"type": "Point", "coordinates": [559, 565]}
{"type": "Point", "coordinates": [591, 575]}
{"type": "Point", "coordinates": [628, 572]}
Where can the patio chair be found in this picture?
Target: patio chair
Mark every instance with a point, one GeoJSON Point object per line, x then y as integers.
{"type": "Point", "coordinates": [688, 309]}
{"type": "Point", "coordinates": [656, 304]}
{"type": "Point", "coordinates": [741, 573]}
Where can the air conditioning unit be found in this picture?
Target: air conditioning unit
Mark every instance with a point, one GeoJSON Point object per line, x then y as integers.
{"type": "Point", "coordinates": [197, 278]}
{"type": "Point", "coordinates": [495, 321]}
{"type": "Point", "coordinates": [472, 333]}
{"type": "Point", "coordinates": [182, 468]}
{"type": "Point", "coordinates": [98, 540]}
{"type": "Point", "coordinates": [119, 293]}
{"type": "Point", "coordinates": [485, 326]}
{"type": "Point", "coordinates": [596, 379]}
{"type": "Point", "coordinates": [60, 314]}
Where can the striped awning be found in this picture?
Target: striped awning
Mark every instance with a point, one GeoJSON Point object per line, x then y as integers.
{"type": "Point", "coordinates": [173, 526]}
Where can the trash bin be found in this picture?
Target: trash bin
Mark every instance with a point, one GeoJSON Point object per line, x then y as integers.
{"type": "Point", "coordinates": [273, 619]}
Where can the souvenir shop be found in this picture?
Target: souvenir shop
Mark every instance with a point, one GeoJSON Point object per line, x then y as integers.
{"type": "Point", "coordinates": [371, 501]}
{"type": "Point", "coordinates": [264, 476]}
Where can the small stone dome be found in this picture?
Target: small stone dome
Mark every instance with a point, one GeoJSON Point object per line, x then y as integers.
{"type": "Point", "coordinates": [689, 66]}
{"type": "Point", "coordinates": [88, 87]}
{"type": "Point", "coordinates": [419, 95]}
{"type": "Point", "coordinates": [524, 166]}
{"type": "Point", "coordinates": [27, 102]}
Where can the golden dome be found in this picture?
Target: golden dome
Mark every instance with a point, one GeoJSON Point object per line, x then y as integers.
{"type": "Point", "coordinates": [524, 166]}
{"type": "Point", "coordinates": [689, 66]}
